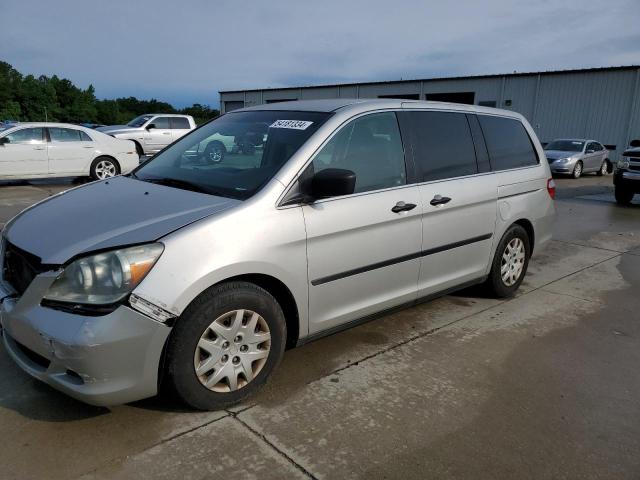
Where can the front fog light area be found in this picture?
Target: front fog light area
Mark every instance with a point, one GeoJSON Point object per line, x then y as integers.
{"type": "Point", "coordinates": [104, 278]}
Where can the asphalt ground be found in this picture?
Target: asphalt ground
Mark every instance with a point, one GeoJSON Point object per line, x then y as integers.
{"type": "Point", "coordinates": [544, 385]}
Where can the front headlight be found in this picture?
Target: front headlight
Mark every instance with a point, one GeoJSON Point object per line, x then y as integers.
{"type": "Point", "coordinates": [623, 164]}
{"type": "Point", "coordinates": [563, 160]}
{"type": "Point", "coordinates": [104, 278]}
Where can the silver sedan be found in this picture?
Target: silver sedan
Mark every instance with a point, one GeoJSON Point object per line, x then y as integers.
{"type": "Point", "coordinates": [577, 156]}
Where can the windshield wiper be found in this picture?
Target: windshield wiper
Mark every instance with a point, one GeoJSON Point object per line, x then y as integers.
{"type": "Point", "coordinates": [182, 184]}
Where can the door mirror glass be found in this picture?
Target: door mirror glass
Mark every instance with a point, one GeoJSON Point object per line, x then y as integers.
{"type": "Point", "coordinates": [333, 182]}
{"type": "Point", "coordinates": [150, 126]}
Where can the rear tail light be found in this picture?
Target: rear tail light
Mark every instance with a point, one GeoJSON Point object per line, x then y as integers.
{"type": "Point", "coordinates": [551, 187]}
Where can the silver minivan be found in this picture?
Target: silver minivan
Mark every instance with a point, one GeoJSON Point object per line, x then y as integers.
{"type": "Point", "coordinates": [197, 275]}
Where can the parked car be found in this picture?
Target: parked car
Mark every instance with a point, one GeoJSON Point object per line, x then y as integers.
{"type": "Point", "coordinates": [40, 150]}
{"type": "Point", "coordinates": [200, 275]}
{"type": "Point", "coordinates": [626, 178]}
{"type": "Point", "coordinates": [152, 132]}
{"type": "Point", "coordinates": [577, 156]}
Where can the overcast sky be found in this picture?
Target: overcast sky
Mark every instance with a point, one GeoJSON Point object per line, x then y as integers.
{"type": "Point", "coordinates": [184, 51]}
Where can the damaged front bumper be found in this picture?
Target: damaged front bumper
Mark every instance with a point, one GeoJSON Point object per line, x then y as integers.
{"type": "Point", "coordinates": [101, 360]}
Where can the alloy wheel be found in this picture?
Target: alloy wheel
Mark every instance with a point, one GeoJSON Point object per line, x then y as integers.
{"type": "Point", "coordinates": [512, 263]}
{"type": "Point", "coordinates": [215, 155]}
{"type": "Point", "coordinates": [232, 351]}
{"type": "Point", "coordinates": [105, 169]}
{"type": "Point", "coordinates": [577, 171]}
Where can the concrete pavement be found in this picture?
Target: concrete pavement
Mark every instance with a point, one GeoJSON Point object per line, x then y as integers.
{"type": "Point", "coordinates": [544, 385]}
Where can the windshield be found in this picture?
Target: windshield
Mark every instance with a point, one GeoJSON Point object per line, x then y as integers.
{"type": "Point", "coordinates": [139, 121]}
{"type": "Point", "coordinates": [234, 155]}
{"type": "Point", "coordinates": [565, 145]}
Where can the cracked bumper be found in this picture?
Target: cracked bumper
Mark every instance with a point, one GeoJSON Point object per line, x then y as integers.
{"type": "Point", "coordinates": [103, 360]}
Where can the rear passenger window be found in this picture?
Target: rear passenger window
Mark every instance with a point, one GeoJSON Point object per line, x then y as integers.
{"type": "Point", "coordinates": [64, 134]}
{"type": "Point", "coordinates": [371, 147]}
{"type": "Point", "coordinates": [179, 123]}
{"type": "Point", "coordinates": [508, 143]}
{"type": "Point", "coordinates": [443, 147]}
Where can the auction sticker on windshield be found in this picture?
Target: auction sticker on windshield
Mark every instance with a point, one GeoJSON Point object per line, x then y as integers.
{"type": "Point", "coordinates": [295, 124]}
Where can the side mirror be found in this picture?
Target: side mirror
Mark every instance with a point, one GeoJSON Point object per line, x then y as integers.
{"type": "Point", "coordinates": [150, 126]}
{"type": "Point", "coordinates": [333, 182]}
{"type": "Point", "coordinates": [4, 140]}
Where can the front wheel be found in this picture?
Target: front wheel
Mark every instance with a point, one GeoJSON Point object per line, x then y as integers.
{"type": "Point", "coordinates": [623, 196]}
{"type": "Point", "coordinates": [225, 346]}
{"type": "Point", "coordinates": [604, 169]}
{"type": "Point", "coordinates": [104, 167]}
{"type": "Point", "coordinates": [577, 170]}
{"type": "Point", "coordinates": [510, 262]}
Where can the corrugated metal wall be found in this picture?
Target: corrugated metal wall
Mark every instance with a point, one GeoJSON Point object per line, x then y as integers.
{"type": "Point", "coordinates": [603, 105]}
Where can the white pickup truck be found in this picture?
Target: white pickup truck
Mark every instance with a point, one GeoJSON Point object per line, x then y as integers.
{"type": "Point", "coordinates": [152, 132]}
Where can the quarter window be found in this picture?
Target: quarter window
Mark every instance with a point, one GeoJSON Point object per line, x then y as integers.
{"type": "Point", "coordinates": [443, 146]}
{"type": "Point", "coordinates": [64, 135]}
{"type": "Point", "coordinates": [508, 143]}
{"type": "Point", "coordinates": [179, 123]}
{"type": "Point", "coordinates": [371, 147]}
{"type": "Point", "coordinates": [84, 137]}
{"type": "Point", "coordinates": [26, 135]}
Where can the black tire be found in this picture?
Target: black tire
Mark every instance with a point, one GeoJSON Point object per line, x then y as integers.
{"type": "Point", "coordinates": [578, 170]}
{"type": "Point", "coordinates": [604, 169]}
{"type": "Point", "coordinates": [181, 375]}
{"type": "Point", "coordinates": [139, 149]}
{"type": "Point", "coordinates": [623, 196]}
{"type": "Point", "coordinates": [97, 167]}
{"type": "Point", "coordinates": [214, 152]}
{"type": "Point", "coordinates": [495, 284]}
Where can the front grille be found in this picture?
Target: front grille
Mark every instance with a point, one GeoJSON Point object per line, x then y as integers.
{"type": "Point", "coordinates": [20, 267]}
{"type": "Point", "coordinates": [634, 167]}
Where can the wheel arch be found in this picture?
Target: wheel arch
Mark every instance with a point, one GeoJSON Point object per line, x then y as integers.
{"type": "Point", "coordinates": [528, 227]}
{"type": "Point", "coordinates": [280, 292]}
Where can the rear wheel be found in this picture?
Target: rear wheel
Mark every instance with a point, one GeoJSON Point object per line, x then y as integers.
{"type": "Point", "coordinates": [624, 196]}
{"type": "Point", "coordinates": [577, 170]}
{"type": "Point", "coordinates": [225, 345]}
{"type": "Point", "coordinates": [104, 167]}
{"type": "Point", "coordinates": [214, 152]}
{"type": "Point", "coordinates": [510, 262]}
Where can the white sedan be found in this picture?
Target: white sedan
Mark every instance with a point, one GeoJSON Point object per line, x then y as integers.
{"type": "Point", "coordinates": [41, 150]}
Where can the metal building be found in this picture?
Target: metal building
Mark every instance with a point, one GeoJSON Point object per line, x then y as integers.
{"type": "Point", "coordinates": [598, 103]}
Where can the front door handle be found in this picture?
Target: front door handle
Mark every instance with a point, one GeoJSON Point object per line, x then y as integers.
{"type": "Point", "coordinates": [166, 133]}
{"type": "Point", "coordinates": [439, 200]}
{"type": "Point", "coordinates": [38, 148]}
{"type": "Point", "coordinates": [403, 207]}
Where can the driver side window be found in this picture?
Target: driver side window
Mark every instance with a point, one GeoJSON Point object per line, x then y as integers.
{"type": "Point", "coordinates": [161, 123]}
{"type": "Point", "coordinates": [371, 147]}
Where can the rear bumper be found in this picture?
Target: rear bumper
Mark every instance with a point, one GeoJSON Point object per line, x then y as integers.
{"type": "Point", "coordinates": [627, 180]}
{"type": "Point", "coordinates": [105, 360]}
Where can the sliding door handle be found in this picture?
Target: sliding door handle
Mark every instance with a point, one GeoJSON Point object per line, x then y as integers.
{"type": "Point", "coordinates": [439, 200]}
{"type": "Point", "coordinates": [403, 207]}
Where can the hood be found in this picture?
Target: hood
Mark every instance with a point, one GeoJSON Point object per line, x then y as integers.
{"type": "Point", "coordinates": [556, 154]}
{"type": "Point", "coordinates": [632, 152]}
{"type": "Point", "coordinates": [114, 129]}
{"type": "Point", "coordinates": [108, 214]}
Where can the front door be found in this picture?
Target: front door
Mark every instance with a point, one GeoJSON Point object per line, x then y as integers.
{"type": "Point", "coordinates": [363, 249]}
{"type": "Point", "coordinates": [24, 153]}
{"type": "Point", "coordinates": [159, 134]}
